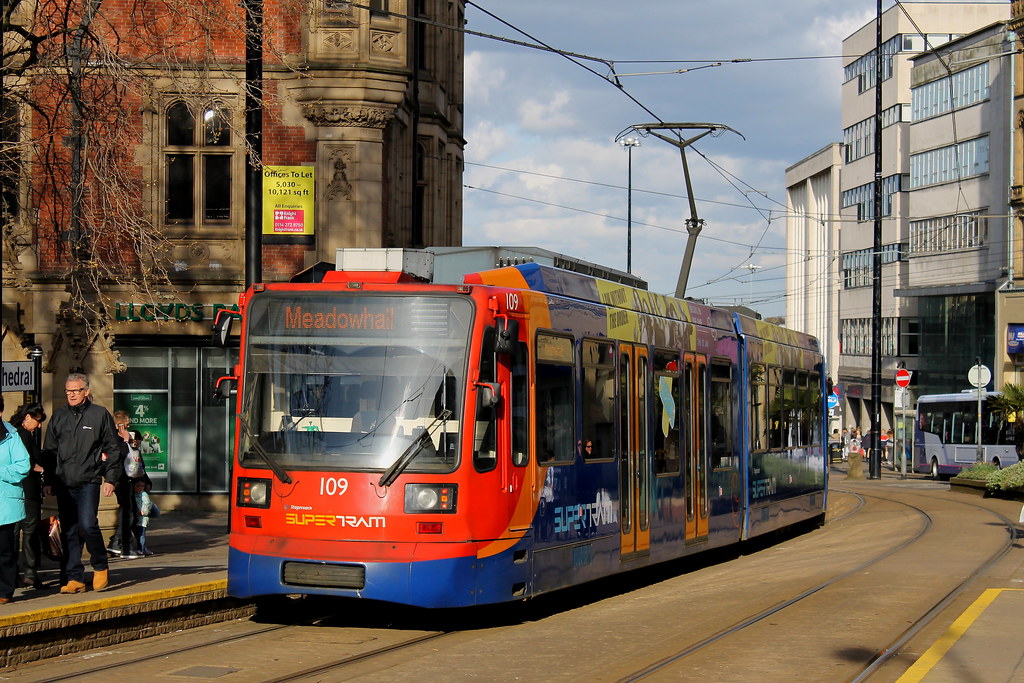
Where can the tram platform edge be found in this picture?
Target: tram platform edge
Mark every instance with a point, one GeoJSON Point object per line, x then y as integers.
{"type": "Point", "coordinates": [183, 584]}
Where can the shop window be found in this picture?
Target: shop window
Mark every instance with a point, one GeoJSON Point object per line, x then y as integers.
{"type": "Point", "coordinates": [186, 434]}
{"type": "Point", "coordinates": [198, 153]}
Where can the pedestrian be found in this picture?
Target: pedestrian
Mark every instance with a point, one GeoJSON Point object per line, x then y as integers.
{"type": "Point", "coordinates": [846, 444]}
{"type": "Point", "coordinates": [80, 433]}
{"type": "Point", "coordinates": [145, 509]}
{"type": "Point", "coordinates": [855, 446]}
{"type": "Point", "coordinates": [27, 419]}
{"type": "Point", "coordinates": [120, 542]}
{"type": "Point", "coordinates": [14, 465]}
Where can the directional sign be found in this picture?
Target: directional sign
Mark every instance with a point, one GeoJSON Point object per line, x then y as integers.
{"type": "Point", "coordinates": [833, 401]}
{"type": "Point", "coordinates": [903, 378]}
{"type": "Point", "coordinates": [18, 376]}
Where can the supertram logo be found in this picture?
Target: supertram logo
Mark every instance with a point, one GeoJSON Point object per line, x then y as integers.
{"type": "Point", "coordinates": [352, 521]}
{"type": "Point", "coordinates": [295, 318]}
{"type": "Point", "coordinates": [585, 515]}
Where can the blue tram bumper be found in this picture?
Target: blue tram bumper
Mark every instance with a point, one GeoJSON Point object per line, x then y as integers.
{"type": "Point", "coordinates": [454, 582]}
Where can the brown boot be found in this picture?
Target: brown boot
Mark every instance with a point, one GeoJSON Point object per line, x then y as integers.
{"type": "Point", "coordinates": [100, 579]}
{"type": "Point", "coordinates": [73, 587]}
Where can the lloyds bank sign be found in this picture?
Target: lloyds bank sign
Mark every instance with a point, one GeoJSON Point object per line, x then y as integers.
{"type": "Point", "coordinates": [177, 312]}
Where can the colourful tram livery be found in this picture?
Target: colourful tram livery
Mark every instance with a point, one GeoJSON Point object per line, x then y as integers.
{"type": "Point", "coordinates": [527, 428]}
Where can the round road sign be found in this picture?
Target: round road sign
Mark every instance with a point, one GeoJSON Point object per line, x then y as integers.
{"type": "Point", "coordinates": [902, 377]}
{"type": "Point", "coordinates": [979, 376]}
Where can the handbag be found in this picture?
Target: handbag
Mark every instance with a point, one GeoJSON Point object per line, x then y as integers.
{"type": "Point", "coordinates": [54, 549]}
{"type": "Point", "coordinates": [133, 466]}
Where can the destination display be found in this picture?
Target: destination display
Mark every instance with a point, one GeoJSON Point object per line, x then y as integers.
{"type": "Point", "coordinates": [356, 315]}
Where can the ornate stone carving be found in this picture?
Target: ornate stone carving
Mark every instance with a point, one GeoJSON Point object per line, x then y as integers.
{"type": "Point", "coordinates": [341, 41]}
{"type": "Point", "coordinates": [345, 116]}
{"type": "Point", "coordinates": [382, 42]}
{"type": "Point", "coordinates": [339, 185]}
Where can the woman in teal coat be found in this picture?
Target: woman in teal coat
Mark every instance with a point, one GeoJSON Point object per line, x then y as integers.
{"type": "Point", "coordinates": [14, 465]}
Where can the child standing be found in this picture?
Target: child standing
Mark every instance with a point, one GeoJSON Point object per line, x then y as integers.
{"type": "Point", "coordinates": [145, 508]}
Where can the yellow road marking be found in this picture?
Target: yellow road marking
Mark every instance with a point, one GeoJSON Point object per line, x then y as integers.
{"type": "Point", "coordinates": [938, 650]}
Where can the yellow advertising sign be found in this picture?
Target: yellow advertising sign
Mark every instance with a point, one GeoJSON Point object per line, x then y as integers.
{"type": "Point", "coordinates": [288, 193]}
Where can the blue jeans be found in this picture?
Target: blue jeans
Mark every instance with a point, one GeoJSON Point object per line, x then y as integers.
{"type": "Point", "coordinates": [77, 508]}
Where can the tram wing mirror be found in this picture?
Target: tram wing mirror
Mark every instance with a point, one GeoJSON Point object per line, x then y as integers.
{"type": "Point", "coordinates": [225, 387]}
{"type": "Point", "coordinates": [507, 332]}
{"type": "Point", "coordinates": [489, 393]}
{"type": "Point", "coordinates": [222, 326]}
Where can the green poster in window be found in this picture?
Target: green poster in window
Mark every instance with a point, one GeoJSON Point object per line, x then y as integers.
{"type": "Point", "coordinates": [150, 418]}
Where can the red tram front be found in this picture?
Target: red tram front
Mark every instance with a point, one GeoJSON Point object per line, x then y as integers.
{"type": "Point", "coordinates": [447, 445]}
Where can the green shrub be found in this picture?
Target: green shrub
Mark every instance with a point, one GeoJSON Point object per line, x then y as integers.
{"type": "Point", "coordinates": [982, 471]}
{"type": "Point", "coordinates": [1007, 479]}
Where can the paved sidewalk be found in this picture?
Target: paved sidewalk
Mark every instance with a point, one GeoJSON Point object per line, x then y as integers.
{"type": "Point", "coordinates": [189, 567]}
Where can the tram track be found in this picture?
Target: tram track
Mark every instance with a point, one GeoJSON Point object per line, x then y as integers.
{"type": "Point", "coordinates": [882, 655]}
{"type": "Point", "coordinates": [699, 606]}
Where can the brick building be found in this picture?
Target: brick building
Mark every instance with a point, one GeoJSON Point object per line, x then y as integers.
{"type": "Point", "coordinates": [124, 157]}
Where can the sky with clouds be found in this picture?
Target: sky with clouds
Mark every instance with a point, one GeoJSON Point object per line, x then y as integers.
{"type": "Point", "coordinates": [543, 168]}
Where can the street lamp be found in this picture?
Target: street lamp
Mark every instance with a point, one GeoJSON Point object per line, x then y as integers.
{"type": "Point", "coordinates": [629, 144]}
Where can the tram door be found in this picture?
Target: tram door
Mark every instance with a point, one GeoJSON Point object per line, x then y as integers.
{"type": "Point", "coordinates": [634, 472]}
{"type": "Point", "coordinates": [695, 458]}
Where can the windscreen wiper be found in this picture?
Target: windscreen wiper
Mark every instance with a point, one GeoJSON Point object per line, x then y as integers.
{"type": "Point", "coordinates": [271, 463]}
{"type": "Point", "coordinates": [412, 450]}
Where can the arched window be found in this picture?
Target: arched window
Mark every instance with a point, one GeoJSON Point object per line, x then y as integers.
{"type": "Point", "coordinates": [197, 164]}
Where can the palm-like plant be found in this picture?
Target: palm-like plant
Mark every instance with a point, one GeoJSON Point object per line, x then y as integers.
{"type": "Point", "coordinates": [1009, 405]}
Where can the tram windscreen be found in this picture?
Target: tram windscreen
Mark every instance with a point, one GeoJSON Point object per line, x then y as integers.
{"type": "Point", "coordinates": [351, 381]}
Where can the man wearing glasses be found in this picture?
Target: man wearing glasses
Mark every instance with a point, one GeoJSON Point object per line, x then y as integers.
{"type": "Point", "coordinates": [79, 435]}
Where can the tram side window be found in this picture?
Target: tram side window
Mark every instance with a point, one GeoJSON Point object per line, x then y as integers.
{"type": "Point", "coordinates": [555, 399]}
{"type": "Point", "coordinates": [520, 406]}
{"type": "Point", "coordinates": [485, 446]}
{"type": "Point", "coordinates": [665, 435]}
{"type": "Point", "coordinates": [814, 392]}
{"type": "Point", "coordinates": [720, 416]}
{"type": "Point", "coordinates": [758, 406]}
{"type": "Point", "coordinates": [776, 408]}
{"type": "Point", "coordinates": [790, 423]}
{"type": "Point", "coordinates": [802, 410]}
{"type": "Point", "coordinates": [598, 399]}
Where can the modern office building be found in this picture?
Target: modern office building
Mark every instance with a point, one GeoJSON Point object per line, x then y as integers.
{"type": "Point", "coordinates": [812, 240]}
{"type": "Point", "coordinates": [913, 308]}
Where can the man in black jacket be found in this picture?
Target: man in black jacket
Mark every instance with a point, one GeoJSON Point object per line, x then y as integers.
{"type": "Point", "coordinates": [89, 457]}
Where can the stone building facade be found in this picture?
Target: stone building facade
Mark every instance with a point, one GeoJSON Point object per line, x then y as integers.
{"type": "Point", "coordinates": [369, 98]}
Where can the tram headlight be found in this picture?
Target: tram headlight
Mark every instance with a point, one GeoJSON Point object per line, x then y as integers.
{"type": "Point", "coordinates": [430, 498]}
{"type": "Point", "coordinates": [253, 493]}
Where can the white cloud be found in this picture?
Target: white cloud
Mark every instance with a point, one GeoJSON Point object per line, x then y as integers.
{"type": "Point", "coordinates": [553, 120]}
{"type": "Point", "coordinates": [547, 114]}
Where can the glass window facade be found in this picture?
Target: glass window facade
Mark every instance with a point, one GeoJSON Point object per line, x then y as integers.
{"type": "Point", "coordinates": [962, 89]}
{"type": "Point", "coordinates": [863, 197]}
{"type": "Point", "coordinates": [954, 331]}
{"type": "Point", "coordinates": [948, 233]}
{"type": "Point", "coordinates": [186, 433]}
{"type": "Point", "coordinates": [946, 164]}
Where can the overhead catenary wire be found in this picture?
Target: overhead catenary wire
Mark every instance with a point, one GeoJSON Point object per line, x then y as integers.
{"type": "Point", "coordinates": [610, 64]}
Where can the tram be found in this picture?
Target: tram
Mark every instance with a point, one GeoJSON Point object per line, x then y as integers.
{"type": "Point", "coordinates": [414, 428]}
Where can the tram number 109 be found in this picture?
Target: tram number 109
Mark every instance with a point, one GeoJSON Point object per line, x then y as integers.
{"type": "Point", "coordinates": [333, 486]}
